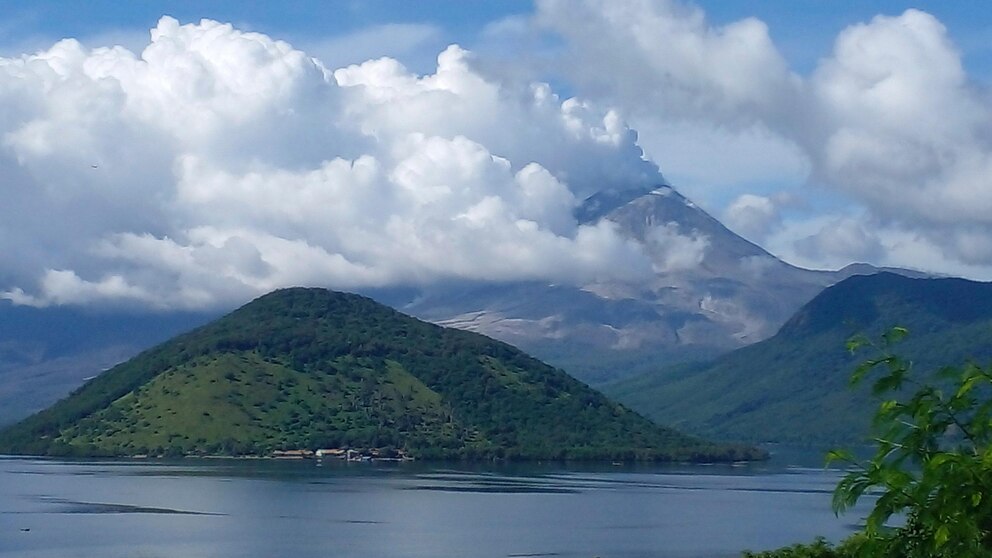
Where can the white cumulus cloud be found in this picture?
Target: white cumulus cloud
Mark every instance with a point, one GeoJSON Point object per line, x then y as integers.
{"type": "Point", "coordinates": [675, 251]}
{"type": "Point", "coordinates": [889, 119]}
{"type": "Point", "coordinates": [217, 164]}
{"type": "Point", "coordinates": [752, 216]}
{"type": "Point", "coordinates": [663, 55]}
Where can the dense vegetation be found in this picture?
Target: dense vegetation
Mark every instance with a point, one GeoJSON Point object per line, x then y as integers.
{"type": "Point", "coordinates": [931, 470]}
{"type": "Point", "coordinates": [793, 387]}
{"type": "Point", "coordinates": [310, 368]}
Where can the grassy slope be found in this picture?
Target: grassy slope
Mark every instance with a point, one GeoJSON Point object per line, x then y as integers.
{"type": "Point", "coordinates": [312, 368]}
{"type": "Point", "coordinates": [794, 386]}
{"type": "Point", "coordinates": [243, 403]}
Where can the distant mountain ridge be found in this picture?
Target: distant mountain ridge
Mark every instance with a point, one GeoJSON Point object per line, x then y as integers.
{"type": "Point", "coordinates": [793, 387]}
{"type": "Point", "coordinates": [310, 368]}
{"type": "Point", "coordinates": [47, 352]}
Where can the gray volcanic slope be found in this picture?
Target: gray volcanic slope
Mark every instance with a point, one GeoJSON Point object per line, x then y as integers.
{"type": "Point", "coordinates": [735, 295]}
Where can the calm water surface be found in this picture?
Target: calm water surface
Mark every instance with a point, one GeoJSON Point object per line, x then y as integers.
{"type": "Point", "coordinates": [262, 508]}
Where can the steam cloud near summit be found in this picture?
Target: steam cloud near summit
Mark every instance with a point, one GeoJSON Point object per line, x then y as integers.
{"type": "Point", "coordinates": [219, 164]}
{"type": "Point", "coordinates": [889, 119]}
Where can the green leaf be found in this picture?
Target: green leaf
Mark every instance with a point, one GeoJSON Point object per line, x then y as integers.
{"type": "Point", "coordinates": [895, 335]}
{"type": "Point", "coordinates": [892, 382]}
{"type": "Point", "coordinates": [967, 385]}
{"type": "Point", "coordinates": [856, 342]}
{"type": "Point", "coordinates": [942, 535]}
{"type": "Point", "coordinates": [839, 455]}
{"type": "Point", "coordinates": [864, 368]}
{"type": "Point", "coordinates": [888, 407]}
{"type": "Point", "coordinates": [939, 460]}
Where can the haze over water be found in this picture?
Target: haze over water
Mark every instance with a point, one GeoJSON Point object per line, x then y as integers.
{"type": "Point", "coordinates": [226, 508]}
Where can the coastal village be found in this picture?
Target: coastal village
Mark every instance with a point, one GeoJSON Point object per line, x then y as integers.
{"type": "Point", "coordinates": [351, 455]}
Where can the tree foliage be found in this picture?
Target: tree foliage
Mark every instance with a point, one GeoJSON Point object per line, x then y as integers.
{"type": "Point", "coordinates": [820, 548]}
{"type": "Point", "coordinates": [931, 472]}
{"type": "Point", "coordinates": [933, 459]}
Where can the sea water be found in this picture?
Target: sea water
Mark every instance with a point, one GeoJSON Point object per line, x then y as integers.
{"type": "Point", "coordinates": [193, 508]}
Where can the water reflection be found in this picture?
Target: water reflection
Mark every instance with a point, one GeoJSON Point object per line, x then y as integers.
{"type": "Point", "coordinates": [248, 508]}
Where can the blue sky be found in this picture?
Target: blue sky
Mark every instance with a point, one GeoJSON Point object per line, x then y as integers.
{"type": "Point", "coordinates": [39, 22]}
{"type": "Point", "coordinates": [827, 131]}
{"type": "Point", "coordinates": [804, 29]}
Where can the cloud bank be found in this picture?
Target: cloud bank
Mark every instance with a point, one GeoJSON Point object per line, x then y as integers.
{"type": "Point", "coordinates": [889, 119]}
{"type": "Point", "coordinates": [218, 164]}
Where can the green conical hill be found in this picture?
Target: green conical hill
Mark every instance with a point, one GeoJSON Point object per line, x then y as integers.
{"type": "Point", "coordinates": [310, 368]}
